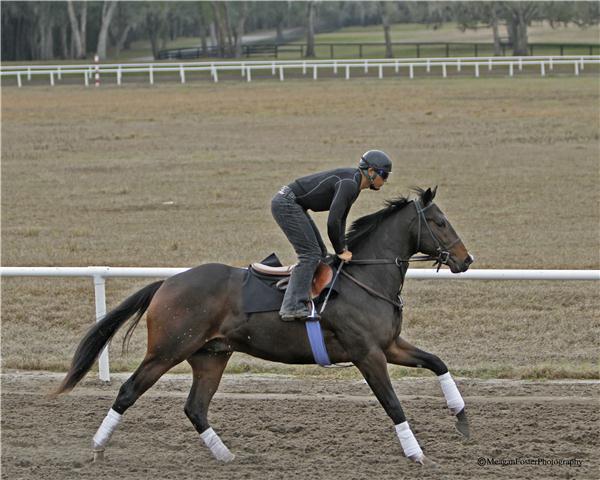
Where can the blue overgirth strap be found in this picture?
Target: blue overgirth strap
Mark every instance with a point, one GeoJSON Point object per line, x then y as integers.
{"type": "Point", "coordinates": [315, 338]}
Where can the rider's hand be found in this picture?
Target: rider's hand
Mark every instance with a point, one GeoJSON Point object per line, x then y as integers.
{"type": "Point", "coordinates": [346, 255]}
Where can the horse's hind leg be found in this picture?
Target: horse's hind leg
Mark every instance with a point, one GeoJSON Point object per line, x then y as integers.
{"type": "Point", "coordinates": [207, 369]}
{"type": "Point", "coordinates": [146, 375]}
{"type": "Point", "coordinates": [403, 353]}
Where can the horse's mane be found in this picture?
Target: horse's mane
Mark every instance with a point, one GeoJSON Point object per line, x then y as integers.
{"type": "Point", "coordinates": [363, 226]}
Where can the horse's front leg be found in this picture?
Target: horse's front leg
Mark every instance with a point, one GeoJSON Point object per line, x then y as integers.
{"type": "Point", "coordinates": [400, 352]}
{"type": "Point", "coordinates": [373, 367]}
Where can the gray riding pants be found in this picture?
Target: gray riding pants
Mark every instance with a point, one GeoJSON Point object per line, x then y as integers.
{"type": "Point", "coordinates": [304, 236]}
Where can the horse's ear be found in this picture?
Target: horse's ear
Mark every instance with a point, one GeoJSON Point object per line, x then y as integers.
{"type": "Point", "coordinates": [428, 196]}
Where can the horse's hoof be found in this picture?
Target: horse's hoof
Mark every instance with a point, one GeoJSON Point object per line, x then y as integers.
{"type": "Point", "coordinates": [98, 456]}
{"type": "Point", "coordinates": [426, 462]}
{"type": "Point", "coordinates": [462, 424]}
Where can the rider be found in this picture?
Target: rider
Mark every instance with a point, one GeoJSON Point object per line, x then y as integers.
{"type": "Point", "coordinates": [333, 190]}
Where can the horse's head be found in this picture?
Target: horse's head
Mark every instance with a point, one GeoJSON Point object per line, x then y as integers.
{"type": "Point", "coordinates": [435, 235]}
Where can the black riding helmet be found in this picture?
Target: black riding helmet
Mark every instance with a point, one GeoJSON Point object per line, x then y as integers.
{"type": "Point", "coordinates": [379, 161]}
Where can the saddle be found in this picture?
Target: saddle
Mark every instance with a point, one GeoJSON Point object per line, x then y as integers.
{"type": "Point", "coordinates": [264, 282]}
{"type": "Point", "coordinates": [322, 278]}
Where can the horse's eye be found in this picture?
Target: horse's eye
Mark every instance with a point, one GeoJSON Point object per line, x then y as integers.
{"type": "Point", "coordinates": [440, 222]}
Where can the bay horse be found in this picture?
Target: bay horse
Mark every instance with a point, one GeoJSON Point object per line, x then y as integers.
{"type": "Point", "coordinates": [197, 316]}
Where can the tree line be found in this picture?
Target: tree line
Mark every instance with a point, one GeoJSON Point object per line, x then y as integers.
{"type": "Point", "coordinates": [78, 30]}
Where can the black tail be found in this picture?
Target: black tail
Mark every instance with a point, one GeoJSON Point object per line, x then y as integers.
{"type": "Point", "coordinates": [98, 336]}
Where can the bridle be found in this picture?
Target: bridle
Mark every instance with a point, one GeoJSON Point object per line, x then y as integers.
{"type": "Point", "coordinates": [443, 253]}
{"type": "Point", "coordinates": [441, 258]}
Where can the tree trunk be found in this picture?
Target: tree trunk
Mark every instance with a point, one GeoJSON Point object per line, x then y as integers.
{"type": "Point", "coordinates": [497, 46]}
{"type": "Point", "coordinates": [121, 40]}
{"type": "Point", "coordinates": [517, 16]}
{"type": "Point", "coordinates": [108, 10]}
{"type": "Point", "coordinates": [213, 34]}
{"type": "Point", "coordinates": [75, 31]}
{"type": "Point", "coordinates": [239, 29]}
{"type": "Point", "coordinates": [518, 31]}
{"type": "Point", "coordinates": [310, 30]}
{"type": "Point", "coordinates": [64, 45]}
{"type": "Point", "coordinates": [83, 23]}
{"type": "Point", "coordinates": [219, 27]}
{"type": "Point", "coordinates": [385, 20]}
{"type": "Point", "coordinates": [228, 29]}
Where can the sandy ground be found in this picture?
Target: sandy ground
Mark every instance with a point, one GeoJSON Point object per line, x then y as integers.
{"type": "Point", "coordinates": [177, 176]}
{"type": "Point", "coordinates": [288, 427]}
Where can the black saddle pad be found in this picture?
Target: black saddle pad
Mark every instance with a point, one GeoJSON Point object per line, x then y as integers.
{"type": "Point", "coordinates": [260, 292]}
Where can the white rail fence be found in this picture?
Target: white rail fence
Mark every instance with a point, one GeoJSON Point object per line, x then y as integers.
{"type": "Point", "coordinates": [100, 274]}
{"type": "Point", "coordinates": [246, 69]}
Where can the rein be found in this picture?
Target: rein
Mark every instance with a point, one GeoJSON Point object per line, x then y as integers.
{"type": "Point", "coordinates": [440, 259]}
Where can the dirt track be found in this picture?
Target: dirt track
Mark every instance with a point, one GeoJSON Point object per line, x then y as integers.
{"type": "Point", "coordinates": [285, 427]}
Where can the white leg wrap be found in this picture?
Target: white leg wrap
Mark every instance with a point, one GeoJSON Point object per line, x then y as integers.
{"type": "Point", "coordinates": [454, 400]}
{"type": "Point", "coordinates": [409, 443]}
{"type": "Point", "coordinates": [217, 447]}
{"type": "Point", "coordinates": [108, 426]}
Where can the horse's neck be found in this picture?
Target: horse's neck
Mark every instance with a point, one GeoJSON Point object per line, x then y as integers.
{"type": "Point", "coordinates": [392, 239]}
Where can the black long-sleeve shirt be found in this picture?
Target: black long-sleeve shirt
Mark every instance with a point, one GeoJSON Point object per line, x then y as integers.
{"type": "Point", "coordinates": [333, 190]}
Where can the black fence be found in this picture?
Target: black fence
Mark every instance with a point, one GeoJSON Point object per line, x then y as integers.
{"type": "Point", "coordinates": [370, 49]}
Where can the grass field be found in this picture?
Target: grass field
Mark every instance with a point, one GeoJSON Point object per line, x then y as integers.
{"type": "Point", "coordinates": [177, 176]}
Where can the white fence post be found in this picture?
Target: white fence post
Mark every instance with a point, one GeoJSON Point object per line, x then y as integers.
{"type": "Point", "coordinates": [520, 63]}
{"type": "Point", "coordinates": [366, 66]}
{"type": "Point", "coordinates": [542, 69]}
{"type": "Point", "coordinates": [281, 73]}
{"type": "Point", "coordinates": [273, 69]}
{"type": "Point", "coordinates": [29, 74]}
{"type": "Point", "coordinates": [249, 74]}
{"type": "Point", "coordinates": [428, 65]}
{"type": "Point", "coordinates": [576, 67]}
{"type": "Point", "coordinates": [477, 70]}
{"type": "Point", "coordinates": [458, 65]}
{"type": "Point", "coordinates": [19, 80]}
{"type": "Point", "coordinates": [510, 69]}
{"type": "Point", "coordinates": [335, 67]}
{"type": "Point", "coordinates": [397, 67]}
{"type": "Point", "coordinates": [86, 79]}
{"type": "Point", "coordinates": [182, 73]}
{"type": "Point", "coordinates": [444, 73]}
{"type": "Point", "coordinates": [411, 70]}
{"type": "Point", "coordinates": [380, 71]}
{"type": "Point", "coordinates": [119, 75]}
{"type": "Point", "coordinates": [58, 73]}
{"type": "Point", "coordinates": [214, 74]}
{"type": "Point", "coordinates": [303, 68]}
{"type": "Point", "coordinates": [100, 297]}
{"type": "Point", "coordinates": [490, 64]}
{"type": "Point", "coordinates": [315, 71]}
{"type": "Point", "coordinates": [151, 72]}
{"type": "Point", "coordinates": [348, 71]}
{"type": "Point", "coordinates": [52, 78]}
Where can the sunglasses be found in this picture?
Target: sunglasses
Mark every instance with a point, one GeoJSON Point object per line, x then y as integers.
{"type": "Point", "coordinates": [383, 174]}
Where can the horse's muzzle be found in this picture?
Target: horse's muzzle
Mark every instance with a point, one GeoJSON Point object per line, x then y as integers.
{"type": "Point", "coordinates": [459, 266]}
